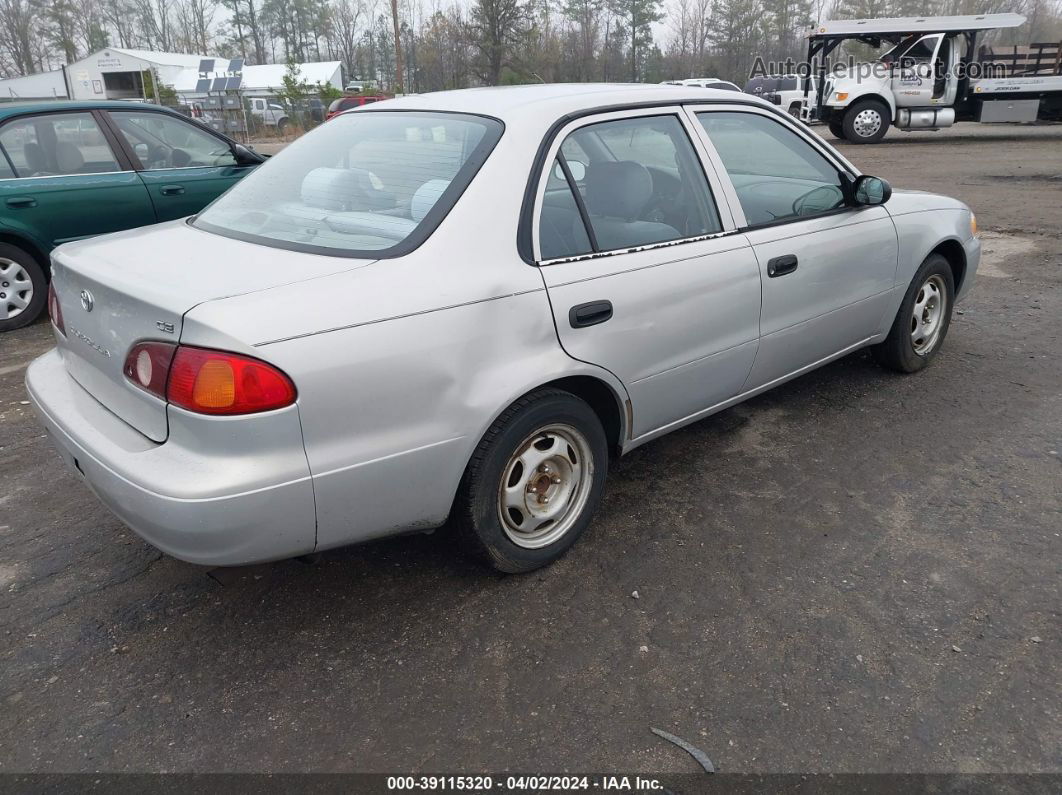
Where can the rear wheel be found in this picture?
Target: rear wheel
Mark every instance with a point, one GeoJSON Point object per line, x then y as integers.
{"type": "Point", "coordinates": [533, 483]}
{"type": "Point", "coordinates": [866, 122]}
{"type": "Point", "coordinates": [23, 288]}
{"type": "Point", "coordinates": [923, 319]}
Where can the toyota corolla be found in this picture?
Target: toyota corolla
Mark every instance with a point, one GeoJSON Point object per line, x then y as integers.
{"type": "Point", "coordinates": [459, 307]}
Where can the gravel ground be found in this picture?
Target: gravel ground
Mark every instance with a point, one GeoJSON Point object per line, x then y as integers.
{"type": "Point", "coordinates": [855, 572]}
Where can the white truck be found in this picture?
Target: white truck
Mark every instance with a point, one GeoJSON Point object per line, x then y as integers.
{"type": "Point", "coordinates": [933, 76]}
{"type": "Point", "coordinates": [270, 113]}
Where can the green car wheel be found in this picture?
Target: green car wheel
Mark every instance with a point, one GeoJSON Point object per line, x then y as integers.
{"type": "Point", "coordinates": [23, 288]}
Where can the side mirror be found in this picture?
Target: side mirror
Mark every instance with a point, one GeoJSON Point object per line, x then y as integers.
{"type": "Point", "coordinates": [245, 157]}
{"type": "Point", "coordinates": [869, 191]}
{"type": "Point", "coordinates": [577, 168]}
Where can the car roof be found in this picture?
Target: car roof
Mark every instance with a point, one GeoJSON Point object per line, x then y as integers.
{"type": "Point", "coordinates": [533, 103]}
{"type": "Point", "coordinates": [54, 106]}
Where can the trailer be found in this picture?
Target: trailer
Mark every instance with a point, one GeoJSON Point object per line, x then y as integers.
{"type": "Point", "coordinates": [933, 76]}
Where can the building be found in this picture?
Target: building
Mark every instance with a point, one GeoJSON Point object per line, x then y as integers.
{"type": "Point", "coordinates": [260, 80]}
{"type": "Point", "coordinates": [118, 73]}
{"type": "Point", "coordinates": [46, 85]}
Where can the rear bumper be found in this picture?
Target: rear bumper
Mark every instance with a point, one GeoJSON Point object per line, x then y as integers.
{"type": "Point", "coordinates": [238, 493]}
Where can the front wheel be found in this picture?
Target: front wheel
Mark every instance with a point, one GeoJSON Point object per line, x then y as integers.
{"type": "Point", "coordinates": [533, 483]}
{"type": "Point", "coordinates": [836, 129]}
{"type": "Point", "coordinates": [866, 122]}
{"type": "Point", "coordinates": [23, 288]}
{"type": "Point", "coordinates": [923, 319]}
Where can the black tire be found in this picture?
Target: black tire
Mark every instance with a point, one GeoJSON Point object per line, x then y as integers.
{"type": "Point", "coordinates": [855, 131]}
{"type": "Point", "coordinates": [898, 351]}
{"type": "Point", "coordinates": [794, 110]}
{"type": "Point", "coordinates": [282, 126]}
{"type": "Point", "coordinates": [16, 262]}
{"type": "Point", "coordinates": [836, 128]}
{"type": "Point", "coordinates": [478, 507]}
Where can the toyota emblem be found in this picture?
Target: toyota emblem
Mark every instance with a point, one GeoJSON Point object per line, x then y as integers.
{"type": "Point", "coordinates": [86, 300]}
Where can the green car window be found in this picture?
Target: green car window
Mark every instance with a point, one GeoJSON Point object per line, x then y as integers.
{"type": "Point", "coordinates": [55, 144]}
{"type": "Point", "coordinates": [162, 141]}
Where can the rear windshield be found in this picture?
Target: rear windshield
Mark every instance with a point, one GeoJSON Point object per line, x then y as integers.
{"type": "Point", "coordinates": [371, 184]}
{"type": "Point", "coordinates": [761, 85]}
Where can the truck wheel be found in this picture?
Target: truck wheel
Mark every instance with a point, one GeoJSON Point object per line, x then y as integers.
{"type": "Point", "coordinates": [23, 288]}
{"type": "Point", "coordinates": [533, 482]}
{"type": "Point", "coordinates": [794, 110]}
{"type": "Point", "coordinates": [866, 122]}
{"type": "Point", "coordinates": [282, 126]}
{"type": "Point", "coordinates": [836, 129]}
{"type": "Point", "coordinates": [922, 320]}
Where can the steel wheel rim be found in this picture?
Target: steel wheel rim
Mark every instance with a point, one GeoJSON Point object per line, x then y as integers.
{"type": "Point", "coordinates": [867, 123]}
{"type": "Point", "coordinates": [927, 315]}
{"type": "Point", "coordinates": [16, 289]}
{"type": "Point", "coordinates": [545, 486]}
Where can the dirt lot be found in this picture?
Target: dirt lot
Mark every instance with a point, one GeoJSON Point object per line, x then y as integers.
{"type": "Point", "coordinates": [855, 572]}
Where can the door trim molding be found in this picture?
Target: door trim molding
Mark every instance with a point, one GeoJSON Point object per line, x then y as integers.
{"type": "Point", "coordinates": [699, 415]}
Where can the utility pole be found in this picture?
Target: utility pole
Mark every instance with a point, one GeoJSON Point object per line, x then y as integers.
{"type": "Point", "coordinates": [398, 49]}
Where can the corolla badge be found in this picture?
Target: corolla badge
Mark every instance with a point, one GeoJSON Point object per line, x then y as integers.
{"type": "Point", "coordinates": [87, 302]}
{"type": "Point", "coordinates": [88, 341]}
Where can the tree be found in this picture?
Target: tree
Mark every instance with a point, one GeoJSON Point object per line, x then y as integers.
{"type": "Point", "coordinates": [496, 28]}
{"type": "Point", "coordinates": [636, 18]}
{"type": "Point", "coordinates": [585, 17]}
{"type": "Point", "coordinates": [19, 36]}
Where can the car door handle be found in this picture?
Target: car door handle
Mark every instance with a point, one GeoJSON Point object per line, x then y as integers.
{"type": "Point", "coordinates": [171, 190]}
{"type": "Point", "coordinates": [21, 201]}
{"type": "Point", "coordinates": [780, 266]}
{"type": "Point", "coordinates": [590, 314]}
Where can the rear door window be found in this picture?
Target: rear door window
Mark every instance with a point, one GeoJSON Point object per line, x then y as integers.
{"type": "Point", "coordinates": [57, 144]}
{"type": "Point", "coordinates": [637, 182]}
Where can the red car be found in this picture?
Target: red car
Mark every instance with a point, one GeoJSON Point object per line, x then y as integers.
{"type": "Point", "coordinates": [346, 103]}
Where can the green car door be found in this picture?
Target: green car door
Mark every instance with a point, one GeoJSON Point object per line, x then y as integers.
{"type": "Point", "coordinates": [183, 166]}
{"type": "Point", "coordinates": [67, 180]}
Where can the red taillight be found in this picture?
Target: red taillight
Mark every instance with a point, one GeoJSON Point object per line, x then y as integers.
{"type": "Point", "coordinates": [208, 381]}
{"type": "Point", "coordinates": [55, 312]}
{"type": "Point", "coordinates": [148, 366]}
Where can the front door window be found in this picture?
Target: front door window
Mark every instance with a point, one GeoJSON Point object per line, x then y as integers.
{"type": "Point", "coordinates": [777, 175]}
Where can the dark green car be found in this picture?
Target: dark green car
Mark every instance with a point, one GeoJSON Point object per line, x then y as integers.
{"type": "Point", "coordinates": [70, 170]}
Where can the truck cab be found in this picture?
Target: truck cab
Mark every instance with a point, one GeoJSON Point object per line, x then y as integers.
{"type": "Point", "coordinates": [931, 77]}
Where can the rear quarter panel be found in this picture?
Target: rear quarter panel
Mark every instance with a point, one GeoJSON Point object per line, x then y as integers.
{"type": "Point", "coordinates": [402, 365]}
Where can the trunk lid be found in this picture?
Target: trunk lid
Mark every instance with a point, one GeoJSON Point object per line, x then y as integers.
{"type": "Point", "coordinates": [122, 289]}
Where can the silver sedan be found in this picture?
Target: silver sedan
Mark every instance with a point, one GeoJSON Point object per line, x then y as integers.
{"type": "Point", "coordinates": [460, 307]}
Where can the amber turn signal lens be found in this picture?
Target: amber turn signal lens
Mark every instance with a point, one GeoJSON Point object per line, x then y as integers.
{"type": "Point", "coordinates": [218, 382]}
{"type": "Point", "coordinates": [973, 225]}
{"type": "Point", "coordinates": [842, 95]}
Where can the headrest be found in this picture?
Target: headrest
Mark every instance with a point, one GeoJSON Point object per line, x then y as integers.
{"type": "Point", "coordinates": [618, 189]}
{"type": "Point", "coordinates": [179, 158]}
{"type": "Point", "coordinates": [425, 197]}
{"type": "Point", "coordinates": [34, 157]}
{"type": "Point", "coordinates": [336, 188]}
{"type": "Point", "coordinates": [68, 158]}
